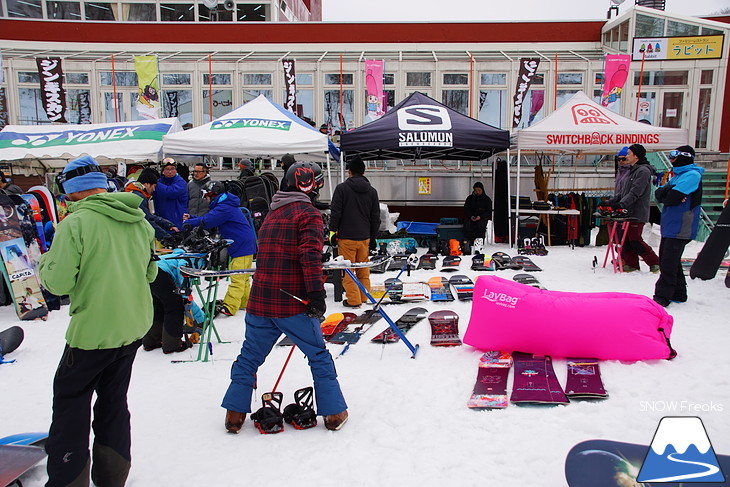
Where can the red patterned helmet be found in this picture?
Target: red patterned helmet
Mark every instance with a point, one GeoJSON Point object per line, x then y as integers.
{"type": "Point", "coordinates": [305, 176]}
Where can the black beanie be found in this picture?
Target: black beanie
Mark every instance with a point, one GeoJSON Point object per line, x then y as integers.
{"type": "Point", "coordinates": [684, 160]}
{"type": "Point", "coordinates": [147, 176]}
{"type": "Point", "coordinates": [286, 161]}
{"type": "Point", "coordinates": [478, 184]}
{"type": "Point", "coordinates": [356, 165]}
{"type": "Point", "coordinates": [638, 150]}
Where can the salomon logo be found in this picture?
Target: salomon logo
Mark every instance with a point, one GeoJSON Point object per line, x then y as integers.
{"type": "Point", "coordinates": [424, 117]}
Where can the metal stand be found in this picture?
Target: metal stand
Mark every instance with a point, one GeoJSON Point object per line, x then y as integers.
{"type": "Point", "coordinates": [205, 347]}
{"type": "Point", "coordinates": [616, 243]}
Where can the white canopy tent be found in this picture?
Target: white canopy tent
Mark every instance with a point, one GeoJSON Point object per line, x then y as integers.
{"type": "Point", "coordinates": [259, 128]}
{"type": "Point", "coordinates": [582, 125]}
{"type": "Point", "coordinates": [55, 145]}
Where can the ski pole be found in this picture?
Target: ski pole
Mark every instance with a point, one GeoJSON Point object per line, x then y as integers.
{"type": "Point", "coordinates": [303, 301]}
{"type": "Point", "coordinates": [283, 368]}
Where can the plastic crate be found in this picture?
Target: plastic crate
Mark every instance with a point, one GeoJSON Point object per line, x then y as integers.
{"type": "Point", "coordinates": [449, 221]}
{"type": "Point", "coordinates": [447, 232]}
{"type": "Point", "coordinates": [417, 228]}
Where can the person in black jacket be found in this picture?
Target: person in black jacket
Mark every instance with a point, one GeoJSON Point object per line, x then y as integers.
{"type": "Point", "coordinates": [355, 217]}
{"type": "Point", "coordinates": [478, 212]}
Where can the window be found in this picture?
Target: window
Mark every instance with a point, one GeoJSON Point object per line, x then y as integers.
{"type": "Point", "coordinates": [623, 36]}
{"type": "Point", "coordinates": [26, 9]}
{"type": "Point", "coordinates": [219, 14]}
{"type": "Point", "coordinates": [706, 31]}
{"type": "Point", "coordinates": [256, 12]}
{"type": "Point", "coordinates": [217, 79]}
{"type": "Point", "coordinates": [675, 28]}
{"type": "Point", "coordinates": [123, 78]}
{"type": "Point", "coordinates": [662, 78]}
{"type": "Point", "coordinates": [110, 106]}
{"type": "Point", "coordinates": [562, 96]}
{"type": "Point", "coordinates": [139, 12]}
{"type": "Point", "coordinates": [332, 109]}
{"type": "Point", "coordinates": [418, 79]}
{"type": "Point", "coordinates": [647, 26]}
{"type": "Point", "coordinates": [570, 78]}
{"type": "Point", "coordinates": [493, 107]}
{"type": "Point", "coordinates": [334, 78]}
{"type": "Point", "coordinates": [101, 11]}
{"type": "Point", "coordinates": [31, 107]}
{"type": "Point", "coordinates": [305, 79]}
{"type": "Point", "coordinates": [533, 109]}
{"type": "Point", "coordinates": [176, 79]}
{"type": "Point", "coordinates": [304, 108]}
{"type": "Point", "coordinates": [703, 117]}
{"type": "Point", "coordinates": [178, 103]}
{"type": "Point", "coordinates": [28, 77]}
{"type": "Point", "coordinates": [63, 10]}
{"type": "Point", "coordinates": [598, 79]}
{"type": "Point", "coordinates": [177, 12]}
{"type": "Point", "coordinates": [77, 78]}
{"type": "Point", "coordinates": [79, 106]}
{"type": "Point", "coordinates": [497, 79]}
{"type": "Point", "coordinates": [614, 104]}
{"type": "Point", "coordinates": [251, 93]}
{"type": "Point", "coordinates": [456, 100]}
{"type": "Point", "coordinates": [222, 103]}
{"type": "Point", "coordinates": [388, 78]}
{"type": "Point", "coordinates": [256, 79]}
{"type": "Point", "coordinates": [456, 79]}
{"type": "Point", "coordinates": [706, 77]}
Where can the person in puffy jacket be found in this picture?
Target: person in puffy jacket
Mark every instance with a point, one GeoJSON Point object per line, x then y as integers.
{"type": "Point", "coordinates": [478, 212]}
{"type": "Point", "coordinates": [144, 187]}
{"type": "Point", "coordinates": [171, 193]}
{"type": "Point", "coordinates": [225, 213]}
{"type": "Point", "coordinates": [681, 198]}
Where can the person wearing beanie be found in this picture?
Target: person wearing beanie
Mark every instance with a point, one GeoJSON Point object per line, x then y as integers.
{"type": "Point", "coordinates": [477, 212]}
{"type": "Point", "coordinates": [681, 200]}
{"type": "Point", "coordinates": [247, 169]}
{"type": "Point", "coordinates": [225, 214]}
{"type": "Point", "coordinates": [7, 187]}
{"type": "Point", "coordinates": [144, 187]}
{"type": "Point", "coordinates": [286, 162]}
{"type": "Point", "coordinates": [104, 334]}
{"type": "Point", "coordinates": [622, 168]}
{"type": "Point", "coordinates": [171, 193]}
{"type": "Point", "coordinates": [634, 195]}
{"type": "Point", "coordinates": [355, 218]}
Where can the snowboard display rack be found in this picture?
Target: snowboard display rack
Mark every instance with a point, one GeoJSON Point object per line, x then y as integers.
{"type": "Point", "coordinates": [616, 241]}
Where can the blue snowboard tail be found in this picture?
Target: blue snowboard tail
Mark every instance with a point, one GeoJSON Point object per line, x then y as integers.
{"type": "Point", "coordinates": [24, 438]}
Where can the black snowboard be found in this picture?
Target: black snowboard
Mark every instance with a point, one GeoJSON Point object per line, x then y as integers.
{"type": "Point", "coordinates": [10, 339]}
{"type": "Point", "coordinates": [709, 259]}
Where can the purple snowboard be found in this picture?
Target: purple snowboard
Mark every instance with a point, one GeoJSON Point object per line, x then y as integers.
{"type": "Point", "coordinates": [535, 381]}
{"type": "Point", "coordinates": [584, 379]}
{"type": "Point", "coordinates": [490, 390]}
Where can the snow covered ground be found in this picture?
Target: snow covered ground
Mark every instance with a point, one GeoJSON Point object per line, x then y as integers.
{"type": "Point", "coordinates": [409, 424]}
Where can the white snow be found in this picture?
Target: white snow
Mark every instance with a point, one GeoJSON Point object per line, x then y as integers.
{"type": "Point", "coordinates": [409, 424]}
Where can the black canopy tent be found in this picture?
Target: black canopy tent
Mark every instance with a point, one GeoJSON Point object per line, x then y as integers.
{"type": "Point", "coordinates": [419, 127]}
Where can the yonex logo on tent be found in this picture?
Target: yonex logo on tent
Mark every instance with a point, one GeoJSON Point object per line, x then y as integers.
{"type": "Point", "coordinates": [237, 123]}
{"type": "Point", "coordinates": [76, 137]}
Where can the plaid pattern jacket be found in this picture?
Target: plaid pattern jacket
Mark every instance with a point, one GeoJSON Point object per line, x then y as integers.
{"type": "Point", "coordinates": [289, 257]}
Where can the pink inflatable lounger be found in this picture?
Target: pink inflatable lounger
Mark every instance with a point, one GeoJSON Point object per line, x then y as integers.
{"type": "Point", "coordinates": [506, 315]}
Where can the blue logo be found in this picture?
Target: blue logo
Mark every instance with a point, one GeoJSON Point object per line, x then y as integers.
{"type": "Point", "coordinates": [680, 452]}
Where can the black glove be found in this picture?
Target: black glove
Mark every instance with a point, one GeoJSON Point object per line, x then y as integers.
{"type": "Point", "coordinates": [169, 241]}
{"type": "Point", "coordinates": [317, 307]}
{"type": "Point", "coordinates": [661, 192]}
{"type": "Point", "coordinates": [373, 244]}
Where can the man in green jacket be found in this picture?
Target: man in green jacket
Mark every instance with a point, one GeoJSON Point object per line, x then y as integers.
{"type": "Point", "coordinates": [101, 249]}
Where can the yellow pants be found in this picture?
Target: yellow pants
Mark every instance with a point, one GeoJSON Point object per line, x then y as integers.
{"type": "Point", "coordinates": [355, 251]}
{"type": "Point", "coordinates": [240, 286]}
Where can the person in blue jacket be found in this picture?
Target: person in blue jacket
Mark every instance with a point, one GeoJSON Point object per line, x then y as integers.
{"type": "Point", "coordinates": [681, 198]}
{"type": "Point", "coordinates": [169, 307]}
{"type": "Point", "coordinates": [144, 187]}
{"type": "Point", "coordinates": [171, 193]}
{"type": "Point", "coordinates": [225, 213]}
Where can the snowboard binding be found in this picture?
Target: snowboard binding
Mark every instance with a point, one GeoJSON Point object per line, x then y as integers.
{"type": "Point", "coordinates": [268, 419]}
{"type": "Point", "coordinates": [301, 413]}
{"type": "Point", "coordinates": [611, 212]}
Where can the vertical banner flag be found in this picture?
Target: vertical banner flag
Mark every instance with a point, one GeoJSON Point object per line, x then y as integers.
{"type": "Point", "coordinates": [374, 87]}
{"type": "Point", "coordinates": [52, 92]}
{"type": "Point", "coordinates": [290, 85]}
{"type": "Point", "coordinates": [3, 109]}
{"type": "Point", "coordinates": [148, 78]}
{"type": "Point", "coordinates": [172, 104]}
{"type": "Point", "coordinates": [528, 69]}
{"type": "Point", "coordinates": [84, 107]}
{"type": "Point", "coordinates": [614, 77]}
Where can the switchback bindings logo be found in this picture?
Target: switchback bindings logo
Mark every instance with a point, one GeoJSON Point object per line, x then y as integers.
{"type": "Point", "coordinates": [680, 452]}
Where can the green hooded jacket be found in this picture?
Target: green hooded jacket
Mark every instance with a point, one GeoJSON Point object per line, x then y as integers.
{"type": "Point", "coordinates": [100, 257]}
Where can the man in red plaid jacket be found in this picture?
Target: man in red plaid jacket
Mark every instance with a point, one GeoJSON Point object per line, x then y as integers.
{"type": "Point", "coordinates": [290, 259]}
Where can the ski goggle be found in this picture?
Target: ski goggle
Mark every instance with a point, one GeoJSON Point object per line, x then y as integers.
{"type": "Point", "coordinates": [676, 153]}
{"type": "Point", "coordinates": [62, 177]}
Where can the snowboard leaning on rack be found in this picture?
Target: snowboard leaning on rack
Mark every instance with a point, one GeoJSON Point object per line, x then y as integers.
{"type": "Point", "coordinates": [535, 381]}
{"type": "Point", "coordinates": [354, 330]}
{"type": "Point", "coordinates": [490, 390]}
{"type": "Point", "coordinates": [410, 319]}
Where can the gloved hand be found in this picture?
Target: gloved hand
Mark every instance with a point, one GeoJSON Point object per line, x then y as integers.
{"type": "Point", "coordinates": [169, 241]}
{"type": "Point", "coordinates": [317, 307]}
{"type": "Point", "coordinates": [373, 244]}
{"type": "Point", "coordinates": [661, 192]}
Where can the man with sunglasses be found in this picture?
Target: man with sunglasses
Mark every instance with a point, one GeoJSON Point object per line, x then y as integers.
{"type": "Point", "coordinates": [681, 198]}
{"type": "Point", "coordinates": [197, 187]}
{"type": "Point", "coordinates": [633, 195]}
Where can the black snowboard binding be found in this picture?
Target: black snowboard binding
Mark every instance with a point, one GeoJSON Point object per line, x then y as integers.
{"type": "Point", "coordinates": [268, 419]}
{"type": "Point", "coordinates": [301, 414]}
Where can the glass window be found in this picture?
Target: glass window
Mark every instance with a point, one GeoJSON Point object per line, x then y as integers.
{"type": "Point", "coordinates": [388, 78]}
{"type": "Point", "coordinates": [28, 77]}
{"type": "Point", "coordinates": [706, 31]}
{"type": "Point", "coordinates": [332, 109]}
{"type": "Point", "coordinates": [418, 79]}
{"type": "Point", "coordinates": [63, 10]}
{"type": "Point", "coordinates": [2, 14]}
{"type": "Point", "coordinates": [703, 118]}
{"type": "Point", "coordinates": [222, 103]}
{"type": "Point", "coordinates": [304, 108]}
{"type": "Point", "coordinates": [334, 78]}
{"type": "Point", "coordinates": [562, 96]}
{"type": "Point", "coordinates": [533, 108]}
{"type": "Point", "coordinates": [662, 78]}
{"type": "Point", "coordinates": [101, 11]}
{"type": "Point", "coordinates": [31, 106]}
{"type": "Point", "coordinates": [139, 12]}
{"type": "Point", "coordinates": [249, 94]}
{"type": "Point", "coordinates": [176, 79]}
{"type": "Point", "coordinates": [79, 106]}
{"type": "Point", "coordinates": [570, 78]}
{"type": "Point", "coordinates": [647, 26]}
{"type": "Point", "coordinates": [538, 79]}
{"type": "Point", "coordinates": [598, 79]}
{"type": "Point", "coordinates": [647, 106]}
{"type": "Point", "coordinates": [675, 28]}
{"type": "Point", "coordinates": [177, 12]}
{"type": "Point", "coordinates": [499, 79]}
{"type": "Point", "coordinates": [389, 98]}
{"type": "Point", "coordinates": [77, 78]}
{"type": "Point", "coordinates": [305, 79]}
{"type": "Point", "coordinates": [256, 79]}
{"type": "Point", "coordinates": [623, 36]}
{"type": "Point", "coordinates": [214, 15]}
{"type": "Point", "coordinates": [218, 79]}
{"type": "Point", "coordinates": [456, 100]}
{"type": "Point", "coordinates": [493, 107]}
{"type": "Point", "coordinates": [614, 102]}
{"type": "Point", "coordinates": [706, 77]}
{"type": "Point", "coordinates": [27, 9]}
{"type": "Point", "coordinates": [614, 38]}
{"type": "Point", "coordinates": [123, 78]}
{"type": "Point", "coordinates": [255, 12]}
{"type": "Point", "coordinates": [456, 79]}
{"type": "Point", "coordinates": [178, 103]}
{"type": "Point", "coordinates": [109, 107]}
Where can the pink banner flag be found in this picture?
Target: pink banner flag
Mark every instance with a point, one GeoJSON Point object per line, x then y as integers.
{"type": "Point", "coordinates": [374, 87]}
{"type": "Point", "coordinates": [614, 77]}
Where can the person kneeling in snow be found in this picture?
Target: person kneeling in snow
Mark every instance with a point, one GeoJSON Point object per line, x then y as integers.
{"type": "Point", "coordinates": [225, 213]}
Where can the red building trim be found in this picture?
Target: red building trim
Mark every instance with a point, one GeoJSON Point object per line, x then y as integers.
{"type": "Point", "coordinates": [287, 33]}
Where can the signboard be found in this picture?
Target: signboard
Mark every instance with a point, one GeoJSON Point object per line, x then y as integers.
{"type": "Point", "coordinates": [676, 48]}
{"type": "Point", "coordinates": [424, 186]}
